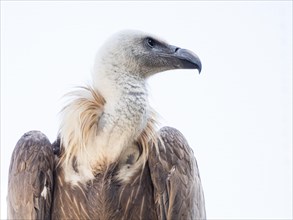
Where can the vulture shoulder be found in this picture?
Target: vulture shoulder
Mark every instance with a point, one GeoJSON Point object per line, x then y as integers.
{"type": "Point", "coordinates": [30, 183]}
{"type": "Point", "coordinates": [175, 176]}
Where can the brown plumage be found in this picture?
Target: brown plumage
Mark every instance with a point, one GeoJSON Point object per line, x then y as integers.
{"type": "Point", "coordinates": [167, 187]}
{"type": "Point", "coordinates": [108, 161]}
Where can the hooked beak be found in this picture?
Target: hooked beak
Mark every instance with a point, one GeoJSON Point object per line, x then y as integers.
{"type": "Point", "coordinates": [186, 59]}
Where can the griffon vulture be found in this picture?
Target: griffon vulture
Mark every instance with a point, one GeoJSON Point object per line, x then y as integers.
{"type": "Point", "coordinates": [108, 161]}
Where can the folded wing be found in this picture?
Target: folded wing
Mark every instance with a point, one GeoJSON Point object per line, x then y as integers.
{"type": "Point", "coordinates": [30, 183]}
{"type": "Point", "coordinates": [176, 180]}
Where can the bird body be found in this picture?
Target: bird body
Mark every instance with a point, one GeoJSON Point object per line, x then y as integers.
{"type": "Point", "coordinates": [109, 162]}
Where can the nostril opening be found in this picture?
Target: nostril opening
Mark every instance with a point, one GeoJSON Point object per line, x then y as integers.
{"type": "Point", "coordinates": [177, 48]}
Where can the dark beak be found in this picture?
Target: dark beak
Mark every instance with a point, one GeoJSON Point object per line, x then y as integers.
{"type": "Point", "coordinates": [187, 59]}
{"type": "Point", "coordinates": [169, 57]}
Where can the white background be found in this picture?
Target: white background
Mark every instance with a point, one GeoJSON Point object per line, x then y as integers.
{"type": "Point", "coordinates": [236, 115]}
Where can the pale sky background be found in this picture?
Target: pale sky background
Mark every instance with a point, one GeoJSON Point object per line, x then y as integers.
{"type": "Point", "coordinates": [236, 115]}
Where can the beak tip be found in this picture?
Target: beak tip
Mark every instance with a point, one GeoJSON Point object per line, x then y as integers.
{"type": "Point", "coordinates": [199, 68]}
{"type": "Point", "coordinates": [198, 65]}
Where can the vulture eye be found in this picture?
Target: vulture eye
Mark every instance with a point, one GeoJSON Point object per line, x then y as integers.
{"type": "Point", "coordinates": [150, 42]}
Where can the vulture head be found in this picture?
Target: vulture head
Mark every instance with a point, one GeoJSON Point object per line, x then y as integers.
{"type": "Point", "coordinates": [141, 55]}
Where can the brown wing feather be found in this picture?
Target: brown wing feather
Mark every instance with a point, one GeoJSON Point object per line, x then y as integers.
{"type": "Point", "coordinates": [30, 183]}
{"type": "Point", "coordinates": [175, 176]}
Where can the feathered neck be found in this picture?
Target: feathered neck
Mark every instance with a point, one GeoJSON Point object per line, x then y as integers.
{"type": "Point", "coordinates": [80, 134]}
